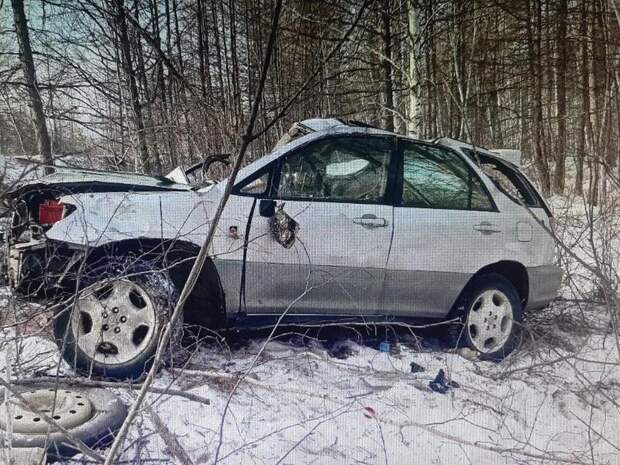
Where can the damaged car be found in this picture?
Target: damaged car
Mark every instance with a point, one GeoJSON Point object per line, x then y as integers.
{"type": "Point", "coordinates": [340, 223]}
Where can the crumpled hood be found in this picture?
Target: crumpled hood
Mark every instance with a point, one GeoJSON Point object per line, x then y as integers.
{"type": "Point", "coordinates": [84, 180]}
{"type": "Point", "coordinates": [108, 217]}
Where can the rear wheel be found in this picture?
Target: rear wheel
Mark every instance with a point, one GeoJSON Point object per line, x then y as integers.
{"type": "Point", "coordinates": [112, 327]}
{"type": "Point", "coordinates": [491, 318]}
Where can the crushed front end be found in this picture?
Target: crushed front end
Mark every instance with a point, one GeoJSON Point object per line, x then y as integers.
{"type": "Point", "coordinates": [30, 264]}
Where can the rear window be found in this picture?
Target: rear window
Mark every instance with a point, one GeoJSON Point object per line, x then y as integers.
{"type": "Point", "coordinates": [507, 179]}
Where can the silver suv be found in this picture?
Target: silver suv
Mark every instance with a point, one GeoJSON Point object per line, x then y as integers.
{"type": "Point", "coordinates": [340, 222]}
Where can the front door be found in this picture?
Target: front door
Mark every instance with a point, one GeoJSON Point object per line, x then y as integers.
{"type": "Point", "coordinates": [336, 190]}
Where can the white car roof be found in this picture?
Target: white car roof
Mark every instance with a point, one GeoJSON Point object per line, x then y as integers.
{"type": "Point", "coordinates": [321, 124]}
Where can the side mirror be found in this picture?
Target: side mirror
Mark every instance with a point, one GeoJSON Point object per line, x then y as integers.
{"type": "Point", "coordinates": [267, 208]}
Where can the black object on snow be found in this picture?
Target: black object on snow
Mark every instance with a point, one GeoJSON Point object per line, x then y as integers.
{"type": "Point", "coordinates": [454, 384]}
{"type": "Point", "coordinates": [341, 349]}
{"type": "Point", "coordinates": [439, 383]}
{"type": "Point", "coordinates": [416, 368]}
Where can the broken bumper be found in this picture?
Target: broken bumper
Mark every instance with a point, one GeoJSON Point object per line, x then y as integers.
{"type": "Point", "coordinates": [544, 284]}
{"type": "Point", "coordinates": [36, 268]}
{"type": "Point", "coordinates": [22, 260]}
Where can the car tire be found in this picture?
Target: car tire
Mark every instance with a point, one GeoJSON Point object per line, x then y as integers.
{"type": "Point", "coordinates": [108, 414]}
{"type": "Point", "coordinates": [111, 327]}
{"type": "Point", "coordinates": [491, 317]}
{"type": "Point", "coordinates": [205, 304]}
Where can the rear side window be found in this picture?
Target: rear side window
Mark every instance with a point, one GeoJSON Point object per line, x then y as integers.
{"type": "Point", "coordinates": [508, 180]}
{"type": "Point", "coordinates": [434, 177]}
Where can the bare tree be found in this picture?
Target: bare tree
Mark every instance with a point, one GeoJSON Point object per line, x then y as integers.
{"type": "Point", "coordinates": [123, 38]}
{"type": "Point", "coordinates": [560, 155]}
{"type": "Point", "coordinates": [30, 75]}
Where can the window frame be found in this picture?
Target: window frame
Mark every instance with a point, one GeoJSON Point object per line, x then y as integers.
{"type": "Point", "coordinates": [275, 166]}
{"type": "Point", "coordinates": [400, 180]}
{"type": "Point", "coordinates": [512, 174]}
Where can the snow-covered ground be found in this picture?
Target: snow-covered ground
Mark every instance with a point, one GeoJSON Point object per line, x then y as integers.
{"type": "Point", "coordinates": [331, 397]}
{"type": "Point", "coordinates": [554, 401]}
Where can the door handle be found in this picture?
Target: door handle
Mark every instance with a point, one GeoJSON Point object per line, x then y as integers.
{"type": "Point", "coordinates": [487, 228]}
{"type": "Point", "coordinates": [370, 221]}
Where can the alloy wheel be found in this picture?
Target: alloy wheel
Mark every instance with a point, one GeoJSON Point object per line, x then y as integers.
{"type": "Point", "coordinates": [490, 321]}
{"type": "Point", "coordinates": [114, 321]}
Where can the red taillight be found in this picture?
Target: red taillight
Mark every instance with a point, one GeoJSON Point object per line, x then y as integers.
{"type": "Point", "coordinates": [50, 212]}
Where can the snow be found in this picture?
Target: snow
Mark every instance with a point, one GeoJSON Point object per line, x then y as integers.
{"type": "Point", "coordinates": [300, 405]}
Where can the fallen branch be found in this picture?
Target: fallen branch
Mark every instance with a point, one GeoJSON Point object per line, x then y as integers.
{"type": "Point", "coordinates": [84, 382]}
{"type": "Point", "coordinates": [174, 446]}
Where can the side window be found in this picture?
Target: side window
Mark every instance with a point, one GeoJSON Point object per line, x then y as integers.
{"type": "Point", "coordinates": [437, 178]}
{"type": "Point", "coordinates": [505, 179]}
{"type": "Point", "coordinates": [257, 186]}
{"type": "Point", "coordinates": [341, 169]}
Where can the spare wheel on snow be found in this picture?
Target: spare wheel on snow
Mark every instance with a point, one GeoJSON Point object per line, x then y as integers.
{"type": "Point", "coordinates": [91, 415]}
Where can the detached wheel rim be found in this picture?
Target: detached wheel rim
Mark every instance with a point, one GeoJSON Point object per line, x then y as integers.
{"type": "Point", "coordinates": [490, 320]}
{"type": "Point", "coordinates": [68, 408]}
{"type": "Point", "coordinates": [114, 322]}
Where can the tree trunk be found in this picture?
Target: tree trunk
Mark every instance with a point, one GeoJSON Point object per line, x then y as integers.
{"type": "Point", "coordinates": [584, 120]}
{"type": "Point", "coordinates": [235, 66]}
{"type": "Point", "coordinates": [123, 36]}
{"type": "Point", "coordinates": [413, 120]}
{"type": "Point", "coordinates": [143, 84]}
{"type": "Point", "coordinates": [388, 90]}
{"type": "Point", "coordinates": [560, 154]}
{"type": "Point", "coordinates": [172, 122]}
{"type": "Point", "coordinates": [25, 55]}
{"type": "Point", "coordinates": [201, 53]}
{"type": "Point", "coordinates": [535, 64]}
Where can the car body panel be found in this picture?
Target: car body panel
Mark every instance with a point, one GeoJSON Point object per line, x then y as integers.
{"type": "Point", "coordinates": [228, 249]}
{"type": "Point", "coordinates": [336, 263]}
{"type": "Point", "coordinates": [540, 248]}
{"type": "Point", "coordinates": [529, 242]}
{"type": "Point", "coordinates": [436, 257]}
{"type": "Point", "coordinates": [104, 218]}
{"type": "Point", "coordinates": [544, 282]}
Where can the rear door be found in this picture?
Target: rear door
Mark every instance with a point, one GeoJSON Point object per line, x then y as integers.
{"type": "Point", "coordinates": [336, 190]}
{"type": "Point", "coordinates": [446, 227]}
{"type": "Point", "coordinates": [536, 246]}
